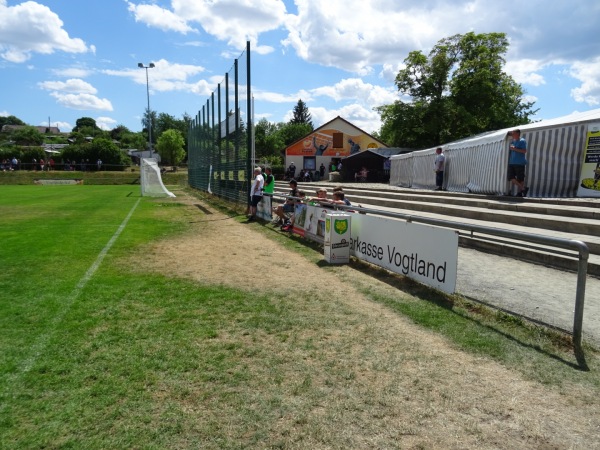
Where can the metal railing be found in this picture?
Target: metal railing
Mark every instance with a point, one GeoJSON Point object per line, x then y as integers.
{"type": "Point", "coordinates": [552, 244]}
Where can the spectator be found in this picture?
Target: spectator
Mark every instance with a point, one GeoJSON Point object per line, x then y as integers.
{"type": "Point", "coordinates": [34, 164]}
{"type": "Point", "coordinates": [322, 171]}
{"type": "Point", "coordinates": [342, 197]}
{"type": "Point", "coordinates": [256, 193]}
{"type": "Point", "coordinates": [320, 198]}
{"type": "Point", "coordinates": [42, 164]}
{"type": "Point", "coordinates": [291, 171]}
{"type": "Point", "coordinates": [438, 167]}
{"type": "Point", "coordinates": [269, 182]}
{"type": "Point", "coordinates": [306, 176]}
{"type": "Point", "coordinates": [516, 163]}
{"type": "Point", "coordinates": [361, 175]}
{"type": "Point", "coordinates": [51, 164]}
{"type": "Point", "coordinates": [288, 206]}
{"type": "Point", "coordinates": [387, 165]}
{"type": "Point", "coordinates": [289, 226]}
{"type": "Point", "coordinates": [99, 164]}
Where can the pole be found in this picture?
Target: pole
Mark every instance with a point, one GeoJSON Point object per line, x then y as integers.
{"type": "Point", "coordinates": [149, 66]}
{"type": "Point", "coordinates": [149, 117]}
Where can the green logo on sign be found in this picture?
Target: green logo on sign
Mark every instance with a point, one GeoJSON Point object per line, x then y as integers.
{"type": "Point", "coordinates": [341, 226]}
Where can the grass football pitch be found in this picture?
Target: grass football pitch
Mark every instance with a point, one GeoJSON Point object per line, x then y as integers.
{"type": "Point", "coordinates": [96, 353]}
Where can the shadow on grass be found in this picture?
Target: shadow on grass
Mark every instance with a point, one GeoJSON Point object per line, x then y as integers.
{"type": "Point", "coordinates": [477, 314]}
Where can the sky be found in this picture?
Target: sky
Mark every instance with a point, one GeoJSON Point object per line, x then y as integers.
{"type": "Point", "coordinates": [62, 60]}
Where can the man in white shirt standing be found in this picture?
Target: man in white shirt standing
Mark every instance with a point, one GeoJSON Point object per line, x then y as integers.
{"type": "Point", "coordinates": [438, 167]}
{"type": "Point", "coordinates": [256, 192]}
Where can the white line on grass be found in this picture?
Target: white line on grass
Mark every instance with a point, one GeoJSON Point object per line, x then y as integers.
{"type": "Point", "coordinates": [42, 341]}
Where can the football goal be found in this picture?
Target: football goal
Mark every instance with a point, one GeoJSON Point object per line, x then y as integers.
{"type": "Point", "coordinates": [151, 181]}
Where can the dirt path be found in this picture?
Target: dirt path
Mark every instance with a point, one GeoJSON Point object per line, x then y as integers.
{"type": "Point", "coordinates": [414, 389]}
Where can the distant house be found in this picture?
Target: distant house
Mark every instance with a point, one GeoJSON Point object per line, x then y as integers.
{"type": "Point", "coordinates": [53, 148]}
{"type": "Point", "coordinates": [42, 129]}
{"type": "Point", "coordinates": [328, 144]}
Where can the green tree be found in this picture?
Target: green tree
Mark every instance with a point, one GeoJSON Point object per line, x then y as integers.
{"type": "Point", "coordinates": [170, 147]}
{"type": "Point", "coordinates": [85, 122]}
{"type": "Point", "coordinates": [10, 120]}
{"type": "Point", "coordinates": [301, 114]}
{"type": "Point", "coordinates": [459, 90]}
{"type": "Point", "coordinates": [149, 119]}
{"type": "Point", "coordinates": [137, 141]}
{"type": "Point", "coordinates": [165, 122]}
{"type": "Point", "coordinates": [28, 136]}
{"type": "Point", "coordinates": [268, 142]}
{"type": "Point", "coordinates": [101, 148]}
{"type": "Point", "coordinates": [291, 132]}
{"type": "Point", "coordinates": [118, 132]}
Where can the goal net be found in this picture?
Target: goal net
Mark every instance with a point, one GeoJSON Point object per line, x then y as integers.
{"type": "Point", "coordinates": [151, 181]}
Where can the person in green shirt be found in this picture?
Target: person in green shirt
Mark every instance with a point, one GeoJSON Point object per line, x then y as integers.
{"type": "Point", "coordinates": [269, 181]}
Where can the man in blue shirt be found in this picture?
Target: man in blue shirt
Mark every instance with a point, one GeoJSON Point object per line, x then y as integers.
{"type": "Point", "coordinates": [516, 163]}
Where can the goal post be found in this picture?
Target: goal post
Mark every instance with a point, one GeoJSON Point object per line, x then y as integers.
{"type": "Point", "coordinates": [151, 181]}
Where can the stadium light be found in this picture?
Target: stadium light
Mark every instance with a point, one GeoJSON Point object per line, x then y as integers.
{"type": "Point", "coordinates": [149, 66]}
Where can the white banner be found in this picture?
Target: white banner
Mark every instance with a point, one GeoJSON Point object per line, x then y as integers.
{"type": "Point", "coordinates": [314, 226]}
{"type": "Point", "coordinates": [422, 252]}
{"type": "Point", "coordinates": [264, 210]}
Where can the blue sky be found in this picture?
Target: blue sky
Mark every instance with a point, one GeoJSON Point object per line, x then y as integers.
{"type": "Point", "coordinates": [69, 59]}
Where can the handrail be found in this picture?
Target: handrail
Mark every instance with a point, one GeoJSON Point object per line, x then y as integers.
{"type": "Point", "coordinates": [571, 244]}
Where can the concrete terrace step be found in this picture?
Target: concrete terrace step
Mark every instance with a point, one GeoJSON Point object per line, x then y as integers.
{"type": "Point", "coordinates": [577, 219]}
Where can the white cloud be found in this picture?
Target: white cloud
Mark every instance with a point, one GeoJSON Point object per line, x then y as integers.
{"type": "Point", "coordinates": [274, 97]}
{"type": "Point", "coordinates": [76, 94]}
{"type": "Point", "coordinates": [524, 71]}
{"type": "Point", "coordinates": [4, 114]}
{"type": "Point", "coordinates": [169, 77]}
{"type": "Point", "coordinates": [356, 89]}
{"type": "Point", "coordinates": [29, 28]}
{"type": "Point", "coordinates": [72, 85]}
{"type": "Point", "coordinates": [72, 72]}
{"type": "Point", "coordinates": [105, 123]}
{"type": "Point", "coordinates": [355, 35]}
{"type": "Point", "coordinates": [588, 73]}
{"type": "Point", "coordinates": [364, 118]}
{"type": "Point", "coordinates": [82, 101]}
{"type": "Point", "coordinates": [157, 17]}
{"type": "Point", "coordinates": [233, 21]}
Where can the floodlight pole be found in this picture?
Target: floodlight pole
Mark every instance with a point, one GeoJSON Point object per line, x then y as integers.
{"type": "Point", "coordinates": [149, 66]}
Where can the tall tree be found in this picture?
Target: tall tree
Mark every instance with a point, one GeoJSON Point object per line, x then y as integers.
{"type": "Point", "coordinates": [170, 146]}
{"type": "Point", "coordinates": [301, 114]}
{"type": "Point", "coordinates": [85, 122]}
{"type": "Point", "coordinates": [291, 132]}
{"type": "Point", "coordinates": [459, 90]}
{"type": "Point", "coordinates": [150, 118]}
{"type": "Point", "coordinates": [267, 141]}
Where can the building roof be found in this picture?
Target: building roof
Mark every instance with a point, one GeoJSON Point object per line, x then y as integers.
{"type": "Point", "coordinates": [328, 123]}
{"type": "Point", "coordinates": [41, 128]}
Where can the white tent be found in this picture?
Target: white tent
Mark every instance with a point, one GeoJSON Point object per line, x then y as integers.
{"type": "Point", "coordinates": [478, 164]}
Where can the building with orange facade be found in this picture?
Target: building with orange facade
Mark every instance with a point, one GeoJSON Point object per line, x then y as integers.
{"type": "Point", "coordinates": [328, 145]}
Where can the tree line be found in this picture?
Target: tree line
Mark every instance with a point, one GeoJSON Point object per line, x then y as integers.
{"type": "Point", "coordinates": [87, 141]}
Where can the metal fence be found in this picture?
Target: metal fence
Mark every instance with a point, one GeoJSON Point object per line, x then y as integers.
{"type": "Point", "coordinates": [220, 138]}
